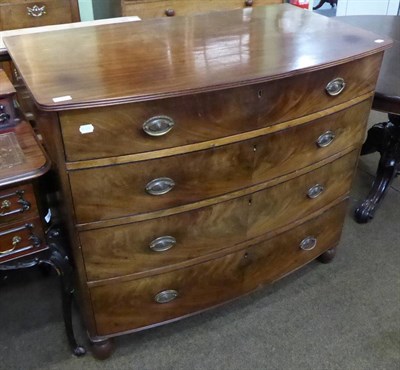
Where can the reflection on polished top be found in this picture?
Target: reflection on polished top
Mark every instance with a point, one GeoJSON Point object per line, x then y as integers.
{"type": "Point", "coordinates": [119, 63]}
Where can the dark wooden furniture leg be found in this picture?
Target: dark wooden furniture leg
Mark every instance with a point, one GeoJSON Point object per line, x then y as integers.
{"type": "Point", "coordinates": [102, 348]}
{"type": "Point", "coordinates": [322, 2]}
{"type": "Point", "coordinates": [327, 256]}
{"type": "Point", "coordinates": [57, 259]}
{"type": "Point", "coordinates": [384, 138]}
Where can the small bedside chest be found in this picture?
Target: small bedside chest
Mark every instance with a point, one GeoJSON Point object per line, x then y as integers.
{"type": "Point", "coordinates": [23, 243]}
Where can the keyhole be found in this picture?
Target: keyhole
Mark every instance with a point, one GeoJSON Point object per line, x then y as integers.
{"type": "Point", "coordinates": [260, 92]}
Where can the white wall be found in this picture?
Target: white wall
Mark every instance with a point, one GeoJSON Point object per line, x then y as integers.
{"type": "Point", "coordinates": [368, 7]}
{"type": "Point", "coordinates": [86, 10]}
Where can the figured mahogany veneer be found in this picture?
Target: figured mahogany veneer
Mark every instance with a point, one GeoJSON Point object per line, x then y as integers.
{"type": "Point", "coordinates": [211, 283]}
{"type": "Point", "coordinates": [210, 229]}
{"type": "Point", "coordinates": [211, 172]}
{"type": "Point", "coordinates": [264, 130]}
{"type": "Point", "coordinates": [213, 115]}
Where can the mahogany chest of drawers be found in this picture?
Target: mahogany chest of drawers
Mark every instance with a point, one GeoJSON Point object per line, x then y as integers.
{"type": "Point", "coordinates": [199, 157]}
{"type": "Point", "coordinates": [146, 9]}
{"type": "Point", "coordinates": [22, 14]}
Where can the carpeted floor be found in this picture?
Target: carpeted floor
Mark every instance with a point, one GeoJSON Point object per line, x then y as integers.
{"type": "Point", "coordinates": [344, 316]}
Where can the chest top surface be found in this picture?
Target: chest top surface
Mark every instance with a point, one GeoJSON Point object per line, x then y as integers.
{"type": "Point", "coordinates": [112, 64]}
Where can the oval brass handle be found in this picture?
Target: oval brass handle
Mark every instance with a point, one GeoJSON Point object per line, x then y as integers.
{"type": "Point", "coordinates": [166, 296]}
{"type": "Point", "coordinates": [36, 11]}
{"type": "Point", "coordinates": [248, 3]}
{"type": "Point", "coordinates": [315, 191]}
{"type": "Point", "coordinates": [326, 139]}
{"type": "Point", "coordinates": [335, 87]}
{"type": "Point", "coordinates": [160, 186]}
{"type": "Point", "coordinates": [170, 12]}
{"type": "Point", "coordinates": [15, 241]}
{"type": "Point", "coordinates": [158, 125]}
{"type": "Point", "coordinates": [308, 243]}
{"type": "Point", "coordinates": [162, 244]}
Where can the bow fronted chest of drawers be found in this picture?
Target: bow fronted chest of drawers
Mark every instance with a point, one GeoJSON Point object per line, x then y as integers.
{"type": "Point", "coordinates": [199, 157]}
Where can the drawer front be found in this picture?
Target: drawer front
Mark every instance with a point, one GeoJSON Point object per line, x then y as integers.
{"type": "Point", "coordinates": [116, 191]}
{"type": "Point", "coordinates": [132, 304]}
{"type": "Point", "coordinates": [33, 14]}
{"type": "Point", "coordinates": [168, 8]}
{"type": "Point", "coordinates": [118, 130]}
{"type": "Point", "coordinates": [166, 241]}
{"type": "Point", "coordinates": [21, 239]}
{"type": "Point", "coordinates": [17, 203]}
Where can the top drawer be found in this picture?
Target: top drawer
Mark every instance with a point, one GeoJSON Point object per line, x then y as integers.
{"type": "Point", "coordinates": [118, 130]}
{"type": "Point", "coordinates": [22, 14]}
{"type": "Point", "coordinates": [168, 8]}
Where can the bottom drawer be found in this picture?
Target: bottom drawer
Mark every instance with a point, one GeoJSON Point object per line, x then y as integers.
{"type": "Point", "coordinates": [21, 239]}
{"type": "Point", "coordinates": [133, 304]}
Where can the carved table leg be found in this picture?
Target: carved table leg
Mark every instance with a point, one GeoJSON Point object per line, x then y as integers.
{"type": "Point", "coordinates": [327, 256]}
{"type": "Point", "coordinates": [58, 260]}
{"type": "Point", "coordinates": [384, 138]}
{"type": "Point", "coordinates": [322, 2]}
{"type": "Point", "coordinates": [102, 348]}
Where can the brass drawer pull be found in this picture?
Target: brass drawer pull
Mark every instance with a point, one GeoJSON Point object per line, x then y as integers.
{"type": "Point", "coordinates": [160, 186]}
{"type": "Point", "coordinates": [248, 3]}
{"type": "Point", "coordinates": [335, 87]}
{"type": "Point", "coordinates": [158, 125]}
{"type": "Point", "coordinates": [315, 191]}
{"type": "Point", "coordinates": [36, 11]}
{"type": "Point", "coordinates": [170, 12]}
{"type": "Point", "coordinates": [326, 139]}
{"type": "Point", "coordinates": [162, 244]}
{"type": "Point", "coordinates": [6, 204]}
{"type": "Point", "coordinates": [15, 241]}
{"type": "Point", "coordinates": [166, 296]}
{"type": "Point", "coordinates": [308, 243]}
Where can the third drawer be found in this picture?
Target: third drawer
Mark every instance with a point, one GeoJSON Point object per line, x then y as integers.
{"type": "Point", "coordinates": [167, 241]}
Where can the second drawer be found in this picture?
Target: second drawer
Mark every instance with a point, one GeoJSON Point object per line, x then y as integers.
{"type": "Point", "coordinates": [155, 244]}
{"type": "Point", "coordinates": [128, 189]}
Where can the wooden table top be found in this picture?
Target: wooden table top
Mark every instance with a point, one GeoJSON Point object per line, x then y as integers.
{"type": "Point", "coordinates": [111, 64]}
{"type": "Point", "coordinates": [387, 95]}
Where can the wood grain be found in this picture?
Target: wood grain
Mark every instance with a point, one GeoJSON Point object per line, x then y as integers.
{"type": "Point", "coordinates": [204, 231]}
{"type": "Point", "coordinates": [210, 173]}
{"type": "Point", "coordinates": [130, 305]}
{"type": "Point", "coordinates": [213, 115]}
{"type": "Point", "coordinates": [162, 58]}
